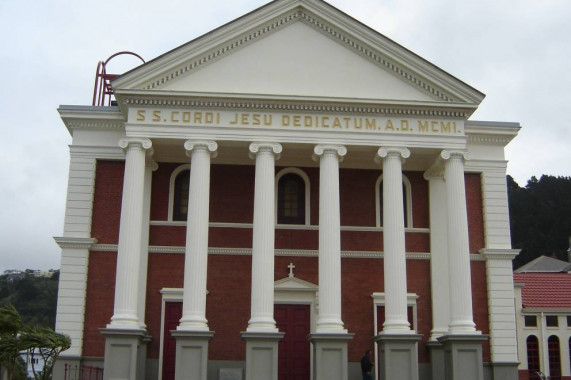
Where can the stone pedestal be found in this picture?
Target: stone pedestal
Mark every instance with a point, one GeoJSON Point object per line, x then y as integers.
{"type": "Point", "coordinates": [399, 356]}
{"type": "Point", "coordinates": [436, 359]}
{"type": "Point", "coordinates": [262, 355]}
{"type": "Point", "coordinates": [330, 355]}
{"type": "Point", "coordinates": [125, 353]}
{"type": "Point", "coordinates": [463, 356]}
{"type": "Point", "coordinates": [191, 354]}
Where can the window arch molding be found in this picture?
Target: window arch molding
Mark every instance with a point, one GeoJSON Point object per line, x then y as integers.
{"type": "Point", "coordinates": [407, 199]}
{"type": "Point", "coordinates": [172, 183]}
{"type": "Point", "coordinates": [305, 178]}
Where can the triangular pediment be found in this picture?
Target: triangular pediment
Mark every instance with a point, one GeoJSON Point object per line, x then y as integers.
{"type": "Point", "coordinates": [297, 48]}
{"type": "Point", "coordinates": [294, 283]}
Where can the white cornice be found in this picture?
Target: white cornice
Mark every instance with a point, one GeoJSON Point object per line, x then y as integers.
{"type": "Point", "coordinates": [260, 102]}
{"type": "Point", "coordinates": [77, 243]}
{"type": "Point", "coordinates": [89, 117]}
{"type": "Point", "coordinates": [499, 254]}
{"type": "Point", "coordinates": [490, 133]}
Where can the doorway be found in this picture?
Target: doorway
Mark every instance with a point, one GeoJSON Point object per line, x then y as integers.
{"type": "Point", "coordinates": [294, 348]}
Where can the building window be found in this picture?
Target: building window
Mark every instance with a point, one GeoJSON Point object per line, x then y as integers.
{"type": "Point", "coordinates": [551, 321]}
{"type": "Point", "coordinates": [532, 356]}
{"type": "Point", "coordinates": [569, 321]}
{"type": "Point", "coordinates": [406, 201]}
{"type": "Point", "coordinates": [554, 357]}
{"type": "Point", "coordinates": [292, 197]}
{"type": "Point", "coordinates": [178, 193]}
{"type": "Point", "coordinates": [530, 320]}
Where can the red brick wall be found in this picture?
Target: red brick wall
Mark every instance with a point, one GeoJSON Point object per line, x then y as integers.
{"type": "Point", "coordinates": [107, 201]}
{"type": "Point", "coordinates": [480, 303]}
{"type": "Point", "coordinates": [475, 211]}
{"type": "Point", "coordinates": [100, 297]}
{"type": "Point", "coordinates": [228, 302]}
{"type": "Point", "coordinates": [164, 271]}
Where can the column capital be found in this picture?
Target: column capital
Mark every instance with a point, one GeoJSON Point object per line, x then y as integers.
{"type": "Point", "coordinates": [447, 154]}
{"type": "Point", "coordinates": [392, 151]}
{"type": "Point", "coordinates": [271, 147]}
{"type": "Point", "coordinates": [152, 164]}
{"type": "Point", "coordinates": [207, 145]}
{"type": "Point", "coordinates": [145, 144]}
{"type": "Point", "coordinates": [339, 150]}
{"type": "Point", "coordinates": [433, 174]}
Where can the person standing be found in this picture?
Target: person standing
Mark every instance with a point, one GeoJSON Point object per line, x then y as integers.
{"type": "Point", "coordinates": [367, 366]}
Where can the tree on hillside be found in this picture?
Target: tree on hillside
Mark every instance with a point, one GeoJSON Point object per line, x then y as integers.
{"type": "Point", "coordinates": [35, 298]}
{"type": "Point", "coordinates": [540, 217]}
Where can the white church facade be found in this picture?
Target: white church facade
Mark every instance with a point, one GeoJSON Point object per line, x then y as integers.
{"type": "Point", "coordinates": [276, 197]}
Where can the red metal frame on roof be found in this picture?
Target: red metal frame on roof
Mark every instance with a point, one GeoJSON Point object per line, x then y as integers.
{"type": "Point", "coordinates": [102, 90]}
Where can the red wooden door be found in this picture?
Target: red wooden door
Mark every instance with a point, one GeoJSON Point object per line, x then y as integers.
{"type": "Point", "coordinates": [173, 314]}
{"type": "Point", "coordinates": [293, 351]}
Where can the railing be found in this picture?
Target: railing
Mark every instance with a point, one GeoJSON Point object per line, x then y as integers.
{"type": "Point", "coordinates": [82, 372]}
{"type": "Point", "coordinates": [102, 90]}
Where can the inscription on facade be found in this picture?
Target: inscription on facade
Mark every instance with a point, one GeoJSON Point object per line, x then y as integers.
{"type": "Point", "coordinates": [277, 120]}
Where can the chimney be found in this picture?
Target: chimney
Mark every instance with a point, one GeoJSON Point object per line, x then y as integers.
{"type": "Point", "coordinates": [569, 251]}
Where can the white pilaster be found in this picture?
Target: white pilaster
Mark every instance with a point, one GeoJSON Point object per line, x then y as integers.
{"type": "Point", "coordinates": [262, 304]}
{"type": "Point", "coordinates": [150, 167]}
{"type": "Point", "coordinates": [72, 289]}
{"type": "Point", "coordinates": [438, 254]}
{"type": "Point", "coordinates": [396, 320]}
{"type": "Point", "coordinates": [495, 205]}
{"type": "Point", "coordinates": [130, 236]}
{"type": "Point", "coordinates": [196, 251]}
{"type": "Point", "coordinates": [461, 318]}
{"type": "Point", "coordinates": [329, 239]}
{"type": "Point", "coordinates": [501, 295]}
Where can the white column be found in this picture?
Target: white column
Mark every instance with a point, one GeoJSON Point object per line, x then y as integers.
{"type": "Point", "coordinates": [125, 312]}
{"type": "Point", "coordinates": [438, 254]}
{"type": "Point", "coordinates": [329, 239]}
{"type": "Point", "coordinates": [150, 167]}
{"type": "Point", "coordinates": [396, 320]}
{"type": "Point", "coordinates": [196, 252]}
{"type": "Point", "coordinates": [461, 319]}
{"type": "Point", "coordinates": [262, 306]}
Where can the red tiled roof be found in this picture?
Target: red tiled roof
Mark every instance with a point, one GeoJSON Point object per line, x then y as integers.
{"type": "Point", "coordinates": [545, 290]}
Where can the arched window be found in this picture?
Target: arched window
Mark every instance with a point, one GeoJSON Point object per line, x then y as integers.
{"type": "Point", "coordinates": [292, 197]}
{"type": "Point", "coordinates": [554, 357]}
{"type": "Point", "coordinates": [406, 201]}
{"type": "Point", "coordinates": [178, 199]}
{"type": "Point", "coordinates": [532, 356]}
{"type": "Point", "coordinates": [569, 324]}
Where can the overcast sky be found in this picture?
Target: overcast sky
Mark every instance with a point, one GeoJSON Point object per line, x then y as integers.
{"type": "Point", "coordinates": [516, 52]}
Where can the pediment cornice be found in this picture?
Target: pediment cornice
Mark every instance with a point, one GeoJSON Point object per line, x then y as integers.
{"type": "Point", "coordinates": [372, 46]}
{"type": "Point", "coordinates": [293, 104]}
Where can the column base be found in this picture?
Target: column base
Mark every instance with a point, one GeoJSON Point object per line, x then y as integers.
{"type": "Point", "coordinates": [125, 353]}
{"type": "Point", "coordinates": [399, 356]}
{"type": "Point", "coordinates": [262, 354]}
{"type": "Point", "coordinates": [191, 354]}
{"type": "Point", "coordinates": [330, 355]}
{"type": "Point", "coordinates": [463, 356]}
